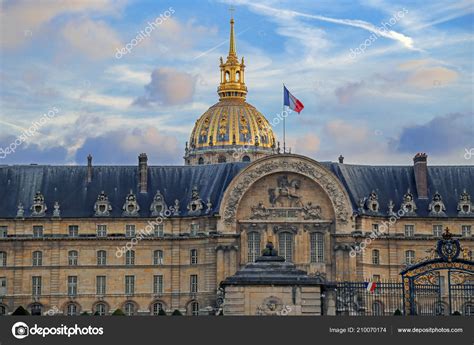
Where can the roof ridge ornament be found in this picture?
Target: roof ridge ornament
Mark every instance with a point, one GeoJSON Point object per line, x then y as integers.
{"type": "Point", "coordinates": [102, 206]}
{"type": "Point", "coordinates": [130, 207]}
{"type": "Point", "coordinates": [39, 208]}
{"type": "Point", "coordinates": [158, 206]}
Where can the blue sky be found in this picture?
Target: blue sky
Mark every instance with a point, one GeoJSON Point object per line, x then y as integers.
{"type": "Point", "coordinates": [380, 80]}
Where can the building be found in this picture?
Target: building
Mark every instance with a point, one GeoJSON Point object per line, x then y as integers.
{"type": "Point", "coordinates": [146, 238]}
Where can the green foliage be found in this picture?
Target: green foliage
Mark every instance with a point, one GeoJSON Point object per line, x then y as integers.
{"type": "Point", "coordinates": [177, 313]}
{"type": "Point", "coordinates": [118, 312]}
{"type": "Point", "coordinates": [162, 312]}
{"type": "Point", "coordinates": [457, 313]}
{"type": "Point", "coordinates": [397, 312]}
{"type": "Point", "coordinates": [20, 311]}
{"type": "Point", "coordinates": [85, 313]}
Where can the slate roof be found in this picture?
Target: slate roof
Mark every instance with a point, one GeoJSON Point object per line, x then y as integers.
{"type": "Point", "coordinates": [67, 185]}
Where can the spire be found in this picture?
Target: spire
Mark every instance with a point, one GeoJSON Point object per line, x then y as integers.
{"type": "Point", "coordinates": [232, 50]}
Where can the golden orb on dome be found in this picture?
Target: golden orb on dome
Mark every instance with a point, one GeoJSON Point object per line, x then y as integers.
{"type": "Point", "coordinates": [232, 129]}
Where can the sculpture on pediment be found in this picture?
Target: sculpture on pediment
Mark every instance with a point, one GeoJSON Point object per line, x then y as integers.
{"type": "Point", "coordinates": [196, 204]}
{"type": "Point", "coordinates": [131, 207]}
{"type": "Point", "coordinates": [372, 202]}
{"type": "Point", "coordinates": [271, 306]}
{"type": "Point", "coordinates": [464, 204]}
{"type": "Point", "coordinates": [20, 213]}
{"type": "Point", "coordinates": [408, 204]}
{"type": "Point", "coordinates": [436, 206]}
{"type": "Point", "coordinates": [311, 211]}
{"type": "Point", "coordinates": [391, 206]}
{"type": "Point", "coordinates": [102, 206]}
{"type": "Point", "coordinates": [158, 206]}
{"type": "Point", "coordinates": [57, 210]}
{"type": "Point", "coordinates": [176, 208]}
{"type": "Point", "coordinates": [259, 211]}
{"type": "Point", "coordinates": [286, 193]}
{"type": "Point", "coordinates": [38, 209]}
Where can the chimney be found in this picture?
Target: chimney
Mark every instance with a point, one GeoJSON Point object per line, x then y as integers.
{"type": "Point", "coordinates": [420, 166]}
{"type": "Point", "coordinates": [341, 159]}
{"type": "Point", "coordinates": [143, 172]}
{"type": "Point", "coordinates": [89, 168]}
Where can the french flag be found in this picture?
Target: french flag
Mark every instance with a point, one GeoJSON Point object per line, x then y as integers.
{"type": "Point", "coordinates": [291, 101]}
{"type": "Point", "coordinates": [370, 286]}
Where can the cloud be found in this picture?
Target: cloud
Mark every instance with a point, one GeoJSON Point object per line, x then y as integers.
{"type": "Point", "coordinates": [94, 39]}
{"type": "Point", "coordinates": [430, 77]}
{"type": "Point", "coordinates": [307, 144]}
{"type": "Point", "coordinates": [31, 153]}
{"type": "Point", "coordinates": [23, 18]}
{"type": "Point", "coordinates": [168, 86]}
{"type": "Point", "coordinates": [347, 92]}
{"type": "Point", "coordinates": [441, 135]}
{"type": "Point", "coordinates": [124, 145]}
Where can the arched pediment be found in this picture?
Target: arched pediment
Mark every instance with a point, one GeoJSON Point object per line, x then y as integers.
{"type": "Point", "coordinates": [294, 164]}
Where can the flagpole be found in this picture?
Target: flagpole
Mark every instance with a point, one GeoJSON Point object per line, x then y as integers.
{"type": "Point", "coordinates": [284, 122]}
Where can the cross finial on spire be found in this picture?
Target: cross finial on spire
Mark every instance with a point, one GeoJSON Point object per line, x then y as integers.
{"type": "Point", "coordinates": [231, 10]}
{"type": "Point", "coordinates": [232, 49]}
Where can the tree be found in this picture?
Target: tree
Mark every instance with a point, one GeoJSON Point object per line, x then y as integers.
{"type": "Point", "coordinates": [85, 313]}
{"type": "Point", "coordinates": [177, 313]}
{"type": "Point", "coordinates": [456, 313]}
{"type": "Point", "coordinates": [20, 311]}
{"type": "Point", "coordinates": [397, 312]}
{"type": "Point", "coordinates": [162, 312]}
{"type": "Point", "coordinates": [118, 312]}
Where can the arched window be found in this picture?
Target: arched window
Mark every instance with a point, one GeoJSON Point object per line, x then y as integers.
{"type": "Point", "coordinates": [221, 159]}
{"type": "Point", "coordinates": [129, 309]}
{"type": "Point", "coordinates": [245, 158]}
{"type": "Point", "coordinates": [71, 309]}
{"type": "Point", "coordinates": [409, 257]}
{"type": "Point", "coordinates": [377, 309]}
{"type": "Point", "coordinates": [253, 246]}
{"type": "Point", "coordinates": [317, 247]}
{"type": "Point", "coordinates": [469, 309]}
{"type": "Point", "coordinates": [194, 306]}
{"type": "Point", "coordinates": [201, 161]}
{"type": "Point", "coordinates": [237, 76]}
{"type": "Point", "coordinates": [158, 257]}
{"type": "Point", "coordinates": [227, 76]}
{"type": "Point", "coordinates": [156, 307]}
{"type": "Point", "coordinates": [101, 258]}
{"type": "Point", "coordinates": [100, 309]}
{"type": "Point", "coordinates": [130, 257]}
{"type": "Point", "coordinates": [72, 257]}
{"type": "Point", "coordinates": [193, 256]}
{"type": "Point", "coordinates": [3, 258]}
{"type": "Point", "coordinates": [37, 258]}
{"type": "Point", "coordinates": [376, 257]}
{"type": "Point", "coordinates": [285, 245]}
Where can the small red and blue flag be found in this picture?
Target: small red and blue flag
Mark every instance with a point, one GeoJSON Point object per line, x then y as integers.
{"type": "Point", "coordinates": [370, 286]}
{"type": "Point", "coordinates": [291, 101]}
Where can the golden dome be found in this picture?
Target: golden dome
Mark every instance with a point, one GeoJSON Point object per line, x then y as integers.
{"type": "Point", "coordinates": [232, 129]}
{"type": "Point", "coordinates": [230, 123]}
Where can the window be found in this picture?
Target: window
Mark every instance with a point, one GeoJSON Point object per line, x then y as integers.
{"type": "Point", "coordinates": [253, 246]}
{"type": "Point", "coordinates": [237, 76]}
{"type": "Point", "coordinates": [158, 257]}
{"type": "Point", "coordinates": [129, 309]}
{"type": "Point", "coordinates": [193, 283]}
{"type": "Point", "coordinates": [130, 230]}
{"type": "Point", "coordinates": [317, 247]}
{"type": "Point", "coordinates": [100, 309]}
{"type": "Point", "coordinates": [37, 231]}
{"type": "Point", "coordinates": [194, 308]}
{"type": "Point", "coordinates": [159, 230]}
{"type": "Point", "coordinates": [376, 278]}
{"type": "Point", "coordinates": [377, 309]}
{"type": "Point", "coordinates": [3, 286]}
{"type": "Point", "coordinates": [129, 285]}
{"type": "Point", "coordinates": [101, 285]}
{"type": "Point", "coordinates": [376, 257]}
{"type": "Point", "coordinates": [245, 159]}
{"type": "Point", "coordinates": [130, 257]}
{"type": "Point", "coordinates": [158, 284]}
{"type": "Point", "coordinates": [72, 286]}
{"type": "Point", "coordinates": [466, 230]}
{"type": "Point", "coordinates": [101, 258]}
{"type": "Point", "coordinates": [469, 309]}
{"type": "Point", "coordinates": [37, 258]}
{"type": "Point", "coordinates": [72, 257]}
{"type": "Point", "coordinates": [409, 257]}
{"type": "Point", "coordinates": [193, 256]}
{"type": "Point", "coordinates": [375, 227]}
{"type": "Point", "coordinates": [36, 309]}
{"type": "Point", "coordinates": [409, 230]}
{"type": "Point", "coordinates": [3, 310]}
{"type": "Point", "coordinates": [36, 285]}
{"type": "Point", "coordinates": [156, 307]}
{"type": "Point", "coordinates": [3, 231]}
{"type": "Point", "coordinates": [437, 230]}
{"type": "Point", "coordinates": [73, 230]}
{"type": "Point", "coordinates": [285, 245]}
{"type": "Point", "coordinates": [201, 161]}
{"type": "Point", "coordinates": [101, 230]}
{"type": "Point", "coordinates": [194, 229]}
{"type": "Point", "coordinates": [71, 309]}
{"type": "Point", "coordinates": [3, 259]}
